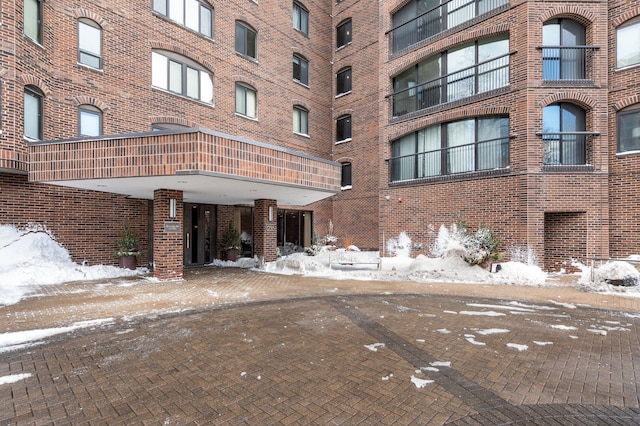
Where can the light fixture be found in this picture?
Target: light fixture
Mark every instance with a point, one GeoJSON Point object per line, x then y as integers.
{"type": "Point", "coordinates": [172, 208]}
{"type": "Point", "coordinates": [270, 213]}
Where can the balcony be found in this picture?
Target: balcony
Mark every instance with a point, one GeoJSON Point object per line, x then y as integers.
{"type": "Point", "coordinates": [568, 63]}
{"type": "Point", "coordinates": [563, 151]}
{"type": "Point", "coordinates": [485, 155]}
{"type": "Point", "coordinates": [483, 77]}
{"type": "Point", "coordinates": [439, 19]}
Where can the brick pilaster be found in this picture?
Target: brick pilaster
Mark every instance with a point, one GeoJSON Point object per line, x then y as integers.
{"type": "Point", "coordinates": [167, 235]}
{"type": "Point", "coordinates": [265, 231]}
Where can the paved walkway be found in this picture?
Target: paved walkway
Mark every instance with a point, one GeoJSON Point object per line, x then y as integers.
{"type": "Point", "coordinates": [230, 346]}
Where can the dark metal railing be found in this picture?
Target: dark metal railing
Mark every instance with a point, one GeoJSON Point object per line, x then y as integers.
{"type": "Point", "coordinates": [484, 155]}
{"type": "Point", "coordinates": [483, 77]}
{"type": "Point", "coordinates": [439, 19]}
{"type": "Point", "coordinates": [567, 62]}
{"type": "Point", "coordinates": [564, 148]}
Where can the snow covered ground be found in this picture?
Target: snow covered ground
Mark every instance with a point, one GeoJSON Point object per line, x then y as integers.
{"type": "Point", "coordinates": [31, 259]}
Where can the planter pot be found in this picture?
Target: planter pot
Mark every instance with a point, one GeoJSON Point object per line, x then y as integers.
{"type": "Point", "coordinates": [129, 262]}
{"type": "Point", "coordinates": [231, 255]}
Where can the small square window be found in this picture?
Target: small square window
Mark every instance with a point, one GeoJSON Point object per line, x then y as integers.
{"type": "Point", "coordinates": [246, 101]}
{"type": "Point", "coordinates": [245, 40]}
{"type": "Point", "coordinates": [343, 128]}
{"type": "Point", "coordinates": [90, 121]}
{"type": "Point", "coordinates": [345, 181]}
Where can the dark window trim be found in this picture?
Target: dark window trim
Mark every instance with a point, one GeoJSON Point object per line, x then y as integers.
{"type": "Point", "coordinates": [344, 72]}
{"type": "Point", "coordinates": [302, 8]}
{"type": "Point", "coordinates": [183, 24]}
{"type": "Point", "coordinates": [90, 23]}
{"type": "Point", "coordinates": [245, 87]}
{"type": "Point", "coordinates": [91, 109]}
{"type": "Point", "coordinates": [36, 93]}
{"type": "Point", "coordinates": [244, 49]}
{"type": "Point", "coordinates": [347, 38]}
{"type": "Point", "coordinates": [39, 23]}
{"type": "Point", "coordinates": [346, 175]}
{"type": "Point", "coordinates": [631, 110]}
{"type": "Point", "coordinates": [350, 128]}
{"type": "Point", "coordinates": [303, 70]}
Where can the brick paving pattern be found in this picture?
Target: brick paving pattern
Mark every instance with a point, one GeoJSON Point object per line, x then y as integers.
{"type": "Point", "coordinates": [230, 346]}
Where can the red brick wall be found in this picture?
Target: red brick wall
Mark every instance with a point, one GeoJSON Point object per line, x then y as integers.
{"type": "Point", "coordinates": [167, 246]}
{"type": "Point", "coordinates": [565, 240]}
{"type": "Point", "coordinates": [86, 223]}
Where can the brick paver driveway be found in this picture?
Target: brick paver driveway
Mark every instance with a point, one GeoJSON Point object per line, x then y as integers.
{"type": "Point", "coordinates": [242, 347]}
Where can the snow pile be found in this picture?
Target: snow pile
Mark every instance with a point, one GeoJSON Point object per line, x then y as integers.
{"type": "Point", "coordinates": [401, 246]}
{"type": "Point", "coordinates": [31, 257]}
{"type": "Point", "coordinates": [613, 277]}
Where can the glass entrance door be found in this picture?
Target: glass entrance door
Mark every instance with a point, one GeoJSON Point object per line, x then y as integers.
{"type": "Point", "coordinates": [199, 234]}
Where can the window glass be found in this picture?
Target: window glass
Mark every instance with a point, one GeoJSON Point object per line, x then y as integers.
{"type": "Point", "coordinates": [33, 19]}
{"type": "Point", "coordinates": [90, 121]}
{"type": "Point", "coordinates": [89, 44]}
{"type": "Point", "coordinates": [246, 101]}
{"type": "Point", "coordinates": [343, 33]}
{"type": "Point", "coordinates": [564, 142]}
{"type": "Point", "coordinates": [345, 181]}
{"type": "Point", "coordinates": [629, 130]}
{"type": "Point", "coordinates": [33, 122]}
{"type": "Point", "coordinates": [627, 46]}
{"type": "Point", "coordinates": [300, 120]}
{"type": "Point", "coordinates": [343, 128]}
{"type": "Point", "coordinates": [457, 147]}
{"type": "Point", "coordinates": [563, 53]}
{"type": "Point", "coordinates": [300, 69]}
{"type": "Point", "coordinates": [193, 14]}
{"type": "Point", "coordinates": [460, 80]}
{"type": "Point", "coordinates": [300, 18]}
{"type": "Point", "coordinates": [181, 75]}
{"type": "Point", "coordinates": [245, 40]}
{"type": "Point", "coordinates": [343, 83]}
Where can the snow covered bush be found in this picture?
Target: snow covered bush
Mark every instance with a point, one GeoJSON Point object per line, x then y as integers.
{"type": "Point", "coordinates": [476, 248]}
{"type": "Point", "coordinates": [399, 247]}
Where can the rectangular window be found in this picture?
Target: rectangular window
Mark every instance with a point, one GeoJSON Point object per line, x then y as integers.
{"type": "Point", "coordinates": [245, 40]}
{"type": "Point", "coordinates": [300, 121]}
{"type": "Point", "coordinates": [246, 101]}
{"type": "Point", "coordinates": [300, 18]}
{"type": "Point", "coordinates": [343, 33]}
{"type": "Point", "coordinates": [475, 68]}
{"type": "Point", "coordinates": [457, 147]}
{"type": "Point", "coordinates": [33, 20]}
{"type": "Point", "coordinates": [629, 130]}
{"type": "Point", "coordinates": [300, 70]}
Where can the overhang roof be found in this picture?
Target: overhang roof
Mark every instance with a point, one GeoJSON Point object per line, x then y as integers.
{"type": "Point", "coordinates": [209, 167]}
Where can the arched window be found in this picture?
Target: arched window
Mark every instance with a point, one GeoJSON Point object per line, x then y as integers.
{"type": "Point", "coordinates": [563, 134]}
{"type": "Point", "coordinates": [345, 180]}
{"type": "Point", "coordinates": [629, 129]}
{"type": "Point", "coordinates": [89, 120]}
{"type": "Point", "coordinates": [343, 128]}
{"type": "Point", "coordinates": [181, 75]}
{"type": "Point", "coordinates": [246, 40]}
{"type": "Point", "coordinates": [33, 113]}
{"type": "Point", "coordinates": [300, 120]}
{"type": "Point", "coordinates": [89, 43]}
{"type": "Point", "coordinates": [343, 33]}
{"type": "Point", "coordinates": [627, 46]}
{"type": "Point", "coordinates": [246, 100]}
{"type": "Point", "coordinates": [563, 50]}
{"type": "Point", "coordinates": [343, 81]}
{"type": "Point", "coordinates": [300, 18]}
{"type": "Point", "coordinates": [300, 69]}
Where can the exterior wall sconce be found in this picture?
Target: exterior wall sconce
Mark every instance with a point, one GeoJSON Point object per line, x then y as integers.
{"type": "Point", "coordinates": [172, 208]}
{"type": "Point", "coordinates": [270, 213]}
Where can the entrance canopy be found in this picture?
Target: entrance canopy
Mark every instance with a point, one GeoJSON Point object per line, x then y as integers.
{"type": "Point", "coordinates": [209, 167]}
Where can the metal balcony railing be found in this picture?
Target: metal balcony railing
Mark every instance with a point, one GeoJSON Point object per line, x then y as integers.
{"type": "Point", "coordinates": [438, 19]}
{"type": "Point", "coordinates": [478, 156]}
{"type": "Point", "coordinates": [567, 62]}
{"type": "Point", "coordinates": [564, 148]}
{"type": "Point", "coordinates": [483, 77]}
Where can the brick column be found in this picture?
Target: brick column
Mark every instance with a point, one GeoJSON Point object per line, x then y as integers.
{"type": "Point", "coordinates": [265, 231]}
{"type": "Point", "coordinates": [167, 235]}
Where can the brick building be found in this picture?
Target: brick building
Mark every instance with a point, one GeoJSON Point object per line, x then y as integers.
{"type": "Point", "coordinates": [177, 117]}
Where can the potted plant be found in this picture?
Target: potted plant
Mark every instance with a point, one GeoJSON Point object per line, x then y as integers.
{"type": "Point", "coordinates": [127, 249]}
{"type": "Point", "coordinates": [229, 243]}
